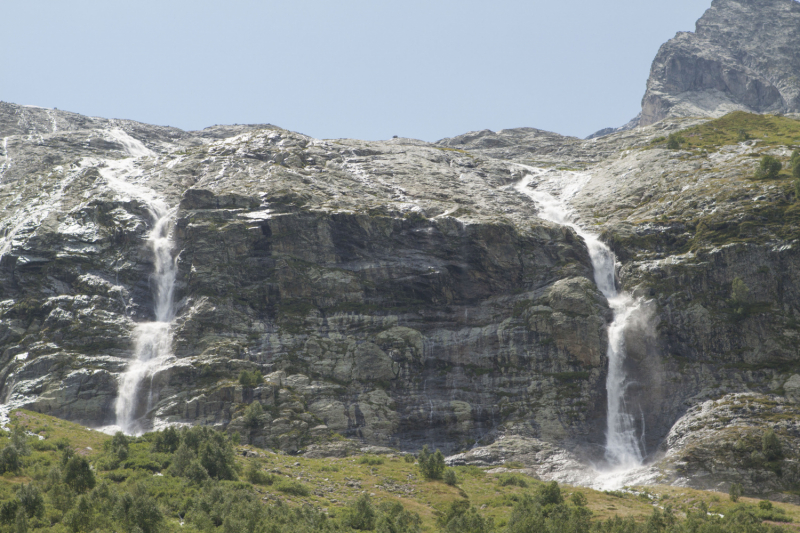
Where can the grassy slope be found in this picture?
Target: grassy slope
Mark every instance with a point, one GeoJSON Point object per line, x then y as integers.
{"type": "Point", "coordinates": [334, 483]}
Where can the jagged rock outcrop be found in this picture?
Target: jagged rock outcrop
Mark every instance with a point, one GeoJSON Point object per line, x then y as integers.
{"type": "Point", "coordinates": [743, 55]}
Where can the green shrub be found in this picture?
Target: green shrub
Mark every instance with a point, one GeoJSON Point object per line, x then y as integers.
{"type": "Point", "coordinates": [289, 486]}
{"type": "Point", "coordinates": [674, 141]}
{"type": "Point", "coordinates": [549, 494]}
{"type": "Point", "coordinates": [578, 499]}
{"type": "Point", "coordinates": [408, 458]}
{"type": "Point", "coordinates": [461, 517]}
{"type": "Point", "coordinates": [771, 446]}
{"type": "Point", "coordinates": [735, 492]}
{"type": "Point", "coordinates": [361, 514]}
{"type": "Point", "coordinates": [166, 441]}
{"type": "Point", "coordinates": [742, 136]}
{"type": "Point", "coordinates": [250, 379]}
{"type": "Point", "coordinates": [8, 511]}
{"type": "Point", "coordinates": [370, 460]}
{"type": "Point", "coordinates": [43, 446]}
{"type": "Point", "coordinates": [254, 415]}
{"type": "Point", "coordinates": [768, 168]}
{"type": "Point", "coordinates": [195, 472]}
{"type": "Point", "coordinates": [450, 477]}
{"type": "Point", "coordinates": [255, 475]}
{"type": "Point", "coordinates": [31, 500]}
{"type": "Point", "coordinates": [431, 464]}
{"type": "Point", "coordinates": [393, 518]}
{"type": "Point", "coordinates": [139, 511]}
{"type": "Point", "coordinates": [507, 480]}
{"type": "Point", "coordinates": [19, 440]}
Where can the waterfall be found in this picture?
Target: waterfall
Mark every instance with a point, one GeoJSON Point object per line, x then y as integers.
{"type": "Point", "coordinates": [152, 340]}
{"type": "Point", "coordinates": [623, 450]}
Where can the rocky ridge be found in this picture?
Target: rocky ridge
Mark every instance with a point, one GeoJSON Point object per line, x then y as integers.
{"type": "Point", "coordinates": [743, 55]}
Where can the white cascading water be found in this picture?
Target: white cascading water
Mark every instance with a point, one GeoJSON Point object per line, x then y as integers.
{"type": "Point", "coordinates": [152, 340]}
{"type": "Point", "coordinates": [623, 450]}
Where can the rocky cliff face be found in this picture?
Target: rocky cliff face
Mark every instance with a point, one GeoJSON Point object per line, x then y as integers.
{"type": "Point", "coordinates": [397, 292]}
{"type": "Point", "coordinates": [402, 293]}
{"type": "Point", "coordinates": [744, 55]}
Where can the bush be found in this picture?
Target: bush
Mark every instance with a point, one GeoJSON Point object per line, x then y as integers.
{"type": "Point", "coordinates": [461, 517]}
{"type": "Point", "coordinates": [253, 415]}
{"type": "Point", "coordinates": [450, 477]}
{"type": "Point", "coordinates": [768, 168]}
{"type": "Point", "coordinates": [409, 458]}
{"type": "Point", "coordinates": [578, 499]}
{"type": "Point", "coordinates": [674, 141]}
{"type": "Point", "coordinates": [19, 440]}
{"type": "Point", "coordinates": [370, 460]}
{"type": "Point", "coordinates": [118, 446]}
{"type": "Point", "coordinates": [250, 379]}
{"type": "Point", "coordinates": [393, 518]}
{"type": "Point", "coordinates": [735, 492]}
{"type": "Point", "coordinates": [289, 486]}
{"type": "Point", "coordinates": [514, 480]}
{"type": "Point", "coordinates": [549, 494]}
{"type": "Point", "coordinates": [742, 136]}
{"type": "Point", "coordinates": [256, 476]}
{"type": "Point", "coordinates": [361, 514]}
{"type": "Point", "coordinates": [166, 441]}
{"type": "Point", "coordinates": [139, 511]}
{"type": "Point", "coordinates": [195, 472]}
{"type": "Point", "coordinates": [8, 511]}
{"type": "Point", "coordinates": [771, 446]}
{"type": "Point", "coordinates": [431, 464]}
{"type": "Point", "coordinates": [31, 500]}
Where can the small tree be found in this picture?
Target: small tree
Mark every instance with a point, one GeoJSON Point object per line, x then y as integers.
{"type": "Point", "coordinates": [768, 168]}
{"type": "Point", "coordinates": [361, 514]}
{"type": "Point", "coordinates": [735, 492]}
{"type": "Point", "coordinates": [10, 460]}
{"type": "Point", "coordinates": [550, 494]}
{"type": "Point", "coordinates": [19, 440]}
{"type": "Point", "coordinates": [78, 474]}
{"type": "Point", "coordinates": [31, 500]}
{"type": "Point", "coordinates": [450, 477]}
{"type": "Point", "coordinates": [253, 415]}
{"type": "Point", "coordinates": [431, 464]}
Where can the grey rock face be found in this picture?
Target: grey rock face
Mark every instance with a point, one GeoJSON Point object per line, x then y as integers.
{"type": "Point", "coordinates": [744, 54]}
{"type": "Point", "coordinates": [396, 292]}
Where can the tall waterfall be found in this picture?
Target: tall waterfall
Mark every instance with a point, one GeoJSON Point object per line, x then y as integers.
{"type": "Point", "coordinates": [623, 449]}
{"type": "Point", "coordinates": [152, 340]}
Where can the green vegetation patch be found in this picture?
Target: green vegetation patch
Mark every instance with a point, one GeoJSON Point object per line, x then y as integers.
{"type": "Point", "coordinates": [736, 127]}
{"type": "Point", "coordinates": [201, 480]}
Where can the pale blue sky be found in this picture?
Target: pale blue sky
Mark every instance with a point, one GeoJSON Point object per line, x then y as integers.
{"type": "Point", "coordinates": [367, 69]}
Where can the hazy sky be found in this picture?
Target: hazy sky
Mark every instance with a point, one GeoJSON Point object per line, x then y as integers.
{"type": "Point", "coordinates": [367, 69]}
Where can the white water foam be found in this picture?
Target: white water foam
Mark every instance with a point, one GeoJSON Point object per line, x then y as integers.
{"type": "Point", "coordinates": [624, 450]}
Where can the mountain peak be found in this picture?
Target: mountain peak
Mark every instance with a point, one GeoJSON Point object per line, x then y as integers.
{"type": "Point", "coordinates": [744, 55]}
